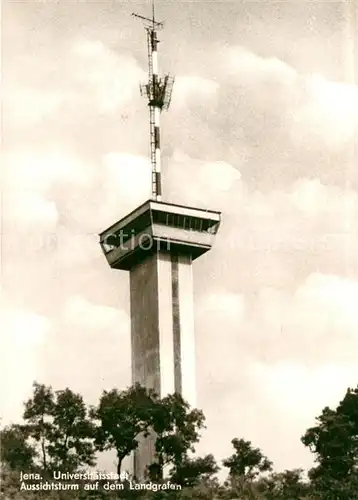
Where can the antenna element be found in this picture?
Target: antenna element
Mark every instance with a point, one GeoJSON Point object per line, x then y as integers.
{"type": "Point", "coordinates": [158, 92]}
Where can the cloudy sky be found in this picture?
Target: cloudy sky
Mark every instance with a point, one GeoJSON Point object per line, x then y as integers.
{"type": "Point", "coordinates": [263, 126]}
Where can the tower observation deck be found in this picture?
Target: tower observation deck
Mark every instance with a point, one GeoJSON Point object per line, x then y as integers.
{"type": "Point", "coordinates": [156, 244]}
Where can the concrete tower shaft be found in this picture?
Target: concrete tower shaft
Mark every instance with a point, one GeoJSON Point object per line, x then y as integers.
{"type": "Point", "coordinates": [163, 348]}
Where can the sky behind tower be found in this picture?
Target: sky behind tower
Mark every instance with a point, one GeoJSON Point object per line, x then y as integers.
{"type": "Point", "coordinates": [263, 126]}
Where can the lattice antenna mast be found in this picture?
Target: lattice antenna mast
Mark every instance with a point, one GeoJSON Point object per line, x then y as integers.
{"type": "Point", "coordinates": [158, 92]}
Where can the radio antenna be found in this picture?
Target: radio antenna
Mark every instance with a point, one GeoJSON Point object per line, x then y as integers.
{"type": "Point", "coordinates": [158, 92]}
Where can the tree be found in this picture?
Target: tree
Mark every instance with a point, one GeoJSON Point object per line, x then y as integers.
{"type": "Point", "coordinates": [284, 485]}
{"type": "Point", "coordinates": [38, 412]}
{"type": "Point", "coordinates": [59, 423]}
{"type": "Point", "coordinates": [205, 489]}
{"type": "Point", "coordinates": [122, 417]}
{"type": "Point", "coordinates": [125, 416]}
{"type": "Point", "coordinates": [246, 461]}
{"type": "Point", "coordinates": [245, 465]}
{"type": "Point", "coordinates": [193, 471]}
{"type": "Point", "coordinates": [72, 433]}
{"type": "Point", "coordinates": [15, 451]}
{"type": "Point", "coordinates": [334, 441]}
{"type": "Point", "coordinates": [176, 429]}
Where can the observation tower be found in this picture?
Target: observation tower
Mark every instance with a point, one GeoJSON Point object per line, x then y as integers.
{"type": "Point", "coordinates": [157, 244]}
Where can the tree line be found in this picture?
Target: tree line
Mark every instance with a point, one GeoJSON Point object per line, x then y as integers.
{"type": "Point", "coordinates": [60, 432]}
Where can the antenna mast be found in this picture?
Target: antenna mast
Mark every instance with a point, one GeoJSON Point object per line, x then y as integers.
{"type": "Point", "coordinates": [158, 92]}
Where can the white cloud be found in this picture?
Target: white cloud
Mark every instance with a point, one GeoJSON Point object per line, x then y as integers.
{"type": "Point", "coordinates": [329, 112]}
{"type": "Point", "coordinates": [128, 184]}
{"type": "Point", "coordinates": [26, 209]}
{"type": "Point", "coordinates": [302, 392]}
{"type": "Point", "coordinates": [32, 171]}
{"type": "Point", "coordinates": [81, 313]}
{"type": "Point", "coordinates": [219, 319]}
{"type": "Point", "coordinates": [315, 325]}
{"type": "Point", "coordinates": [330, 204]}
{"type": "Point", "coordinates": [309, 333]}
{"type": "Point", "coordinates": [195, 181]}
{"type": "Point", "coordinates": [76, 249]}
{"type": "Point", "coordinates": [291, 396]}
{"type": "Point", "coordinates": [27, 180]}
{"type": "Point", "coordinates": [285, 357]}
{"type": "Point", "coordinates": [219, 175]}
{"type": "Point", "coordinates": [246, 64]}
{"type": "Point", "coordinates": [315, 112]}
{"type": "Point", "coordinates": [112, 76]}
{"type": "Point", "coordinates": [26, 107]}
{"type": "Point", "coordinates": [230, 306]}
{"type": "Point", "coordinates": [308, 216]}
{"type": "Point", "coordinates": [90, 48]}
{"type": "Point", "coordinates": [332, 302]}
{"type": "Point", "coordinates": [94, 339]}
{"type": "Point", "coordinates": [22, 335]}
{"type": "Point", "coordinates": [193, 87]}
{"type": "Point", "coordinates": [22, 328]}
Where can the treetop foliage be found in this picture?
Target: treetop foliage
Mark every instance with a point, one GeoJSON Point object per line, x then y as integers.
{"type": "Point", "coordinates": [59, 432]}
